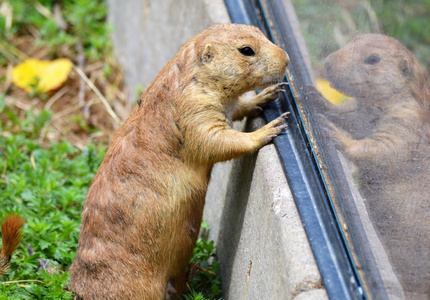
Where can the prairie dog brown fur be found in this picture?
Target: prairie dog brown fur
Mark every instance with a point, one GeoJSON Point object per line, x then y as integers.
{"type": "Point", "coordinates": [143, 211]}
{"type": "Point", "coordinates": [384, 131]}
{"type": "Point", "coordinates": [11, 237]}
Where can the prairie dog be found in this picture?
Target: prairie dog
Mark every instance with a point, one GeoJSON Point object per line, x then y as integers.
{"type": "Point", "coordinates": [385, 132]}
{"type": "Point", "coordinates": [143, 211]}
{"type": "Point", "coordinates": [11, 237]}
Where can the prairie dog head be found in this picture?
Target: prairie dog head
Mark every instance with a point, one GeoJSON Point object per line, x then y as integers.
{"type": "Point", "coordinates": [239, 58]}
{"type": "Point", "coordinates": [373, 65]}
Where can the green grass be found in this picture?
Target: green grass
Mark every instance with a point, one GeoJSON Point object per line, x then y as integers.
{"type": "Point", "coordinates": [85, 19]}
{"type": "Point", "coordinates": [46, 184]}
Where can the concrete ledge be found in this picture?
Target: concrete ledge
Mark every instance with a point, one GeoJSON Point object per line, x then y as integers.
{"type": "Point", "coordinates": [262, 246]}
{"type": "Point", "coordinates": [312, 295]}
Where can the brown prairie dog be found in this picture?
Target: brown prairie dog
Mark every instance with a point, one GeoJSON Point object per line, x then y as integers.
{"type": "Point", "coordinates": [11, 237]}
{"type": "Point", "coordinates": [143, 211]}
{"type": "Point", "coordinates": [385, 132]}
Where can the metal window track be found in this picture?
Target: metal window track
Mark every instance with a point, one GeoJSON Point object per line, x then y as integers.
{"type": "Point", "coordinates": [328, 243]}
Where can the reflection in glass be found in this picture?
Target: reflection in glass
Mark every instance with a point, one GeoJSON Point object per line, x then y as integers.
{"type": "Point", "coordinates": [385, 132]}
{"type": "Point", "coordinates": [378, 120]}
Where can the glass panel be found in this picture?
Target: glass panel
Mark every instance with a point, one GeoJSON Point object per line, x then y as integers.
{"type": "Point", "coordinates": [371, 108]}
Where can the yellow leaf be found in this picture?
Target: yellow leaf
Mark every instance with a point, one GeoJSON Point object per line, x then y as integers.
{"type": "Point", "coordinates": [40, 76]}
{"type": "Point", "coordinates": [330, 93]}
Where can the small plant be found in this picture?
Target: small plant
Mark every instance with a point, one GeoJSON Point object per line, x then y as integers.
{"type": "Point", "coordinates": [204, 280]}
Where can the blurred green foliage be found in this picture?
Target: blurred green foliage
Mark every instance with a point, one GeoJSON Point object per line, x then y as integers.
{"type": "Point", "coordinates": [85, 22]}
{"type": "Point", "coordinates": [329, 25]}
{"type": "Point", "coordinates": [409, 22]}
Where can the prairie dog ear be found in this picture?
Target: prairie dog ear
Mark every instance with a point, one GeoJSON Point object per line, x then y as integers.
{"type": "Point", "coordinates": [405, 67]}
{"type": "Point", "coordinates": [207, 54]}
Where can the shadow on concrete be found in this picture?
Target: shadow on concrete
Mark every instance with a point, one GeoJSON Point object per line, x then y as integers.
{"type": "Point", "coordinates": [232, 217]}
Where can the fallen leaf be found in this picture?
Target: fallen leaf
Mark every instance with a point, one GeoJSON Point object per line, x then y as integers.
{"type": "Point", "coordinates": [330, 93]}
{"type": "Point", "coordinates": [40, 76]}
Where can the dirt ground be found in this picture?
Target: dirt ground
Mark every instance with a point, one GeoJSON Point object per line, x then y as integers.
{"type": "Point", "coordinates": [88, 107]}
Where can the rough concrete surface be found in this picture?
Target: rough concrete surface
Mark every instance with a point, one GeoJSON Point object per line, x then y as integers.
{"type": "Point", "coordinates": [148, 33]}
{"type": "Point", "coordinates": [262, 247]}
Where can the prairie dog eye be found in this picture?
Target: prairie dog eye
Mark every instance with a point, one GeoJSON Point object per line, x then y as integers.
{"type": "Point", "coordinates": [372, 59]}
{"type": "Point", "coordinates": [247, 51]}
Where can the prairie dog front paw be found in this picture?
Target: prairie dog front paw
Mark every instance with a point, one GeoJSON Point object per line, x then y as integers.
{"type": "Point", "coordinates": [269, 94]}
{"type": "Point", "coordinates": [274, 128]}
{"type": "Point", "coordinates": [252, 107]}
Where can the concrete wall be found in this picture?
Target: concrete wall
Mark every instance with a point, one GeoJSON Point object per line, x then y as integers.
{"type": "Point", "coordinates": [148, 33]}
{"type": "Point", "coordinates": [262, 246]}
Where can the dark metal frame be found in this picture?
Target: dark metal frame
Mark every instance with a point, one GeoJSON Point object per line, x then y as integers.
{"type": "Point", "coordinates": [329, 245]}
